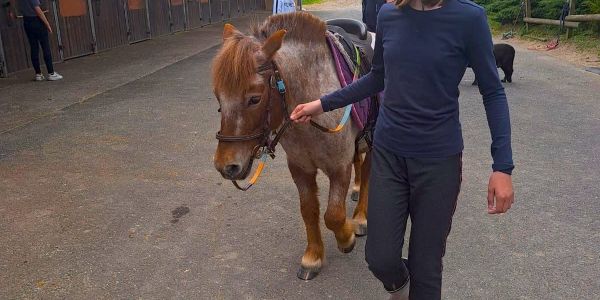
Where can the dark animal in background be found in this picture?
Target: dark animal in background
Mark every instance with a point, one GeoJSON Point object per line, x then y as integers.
{"type": "Point", "coordinates": [505, 56]}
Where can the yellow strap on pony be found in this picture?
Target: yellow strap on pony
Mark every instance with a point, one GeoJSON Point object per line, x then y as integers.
{"type": "Point", "coordinates": [257, 173]}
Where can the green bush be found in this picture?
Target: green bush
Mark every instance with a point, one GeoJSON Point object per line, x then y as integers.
{"type": "Point", "coordinates": [502, 11]}
{"type": "Point", "coordinates": [591, 6]}
{"type": "Point", "coordinates": [547, 9]}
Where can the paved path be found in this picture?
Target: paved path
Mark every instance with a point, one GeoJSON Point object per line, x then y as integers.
{"type": "Point", "coordinates": [116, 196]}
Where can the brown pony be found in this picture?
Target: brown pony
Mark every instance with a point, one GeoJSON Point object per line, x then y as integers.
{"type": "Point", "coordinates": [291, 47]}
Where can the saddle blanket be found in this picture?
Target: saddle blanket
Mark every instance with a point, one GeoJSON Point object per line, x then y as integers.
{"type": "Point", "coordinates": [360, 110]}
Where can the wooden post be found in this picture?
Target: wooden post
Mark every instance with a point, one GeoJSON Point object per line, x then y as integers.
{"type": "Point", "coordinates": [58, 33]}
{"type": "Point", "coordinates": [527, 12]}
{"type": "Point", "coordinates": [584, 18]}
{"type": "Point", "coordinates": [550, 22]}
{"type": "Point", "coordinates": [571, 9]}
{"type": "Point", "coordinates": [93, 27]}
{"type": "Point", "coordinates": [3, 67]}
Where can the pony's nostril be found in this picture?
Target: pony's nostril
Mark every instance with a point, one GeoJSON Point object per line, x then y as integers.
{"type": "Point", "coordinates": [232, 170]}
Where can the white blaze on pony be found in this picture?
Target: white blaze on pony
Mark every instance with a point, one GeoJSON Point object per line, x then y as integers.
{"type": "Point", "coordinates": [292, 46]}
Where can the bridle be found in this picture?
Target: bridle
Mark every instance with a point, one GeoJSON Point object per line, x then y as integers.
{"type": "Point", "coordinates": [268, 138]}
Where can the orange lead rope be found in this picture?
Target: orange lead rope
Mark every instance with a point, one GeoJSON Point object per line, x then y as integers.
{"type": "Point", "coordinates": [259, 169]}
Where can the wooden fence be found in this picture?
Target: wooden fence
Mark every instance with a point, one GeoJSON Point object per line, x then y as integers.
{"type": "Point", "coordinates": [84, 27]}
{"type": "Point", "coordinates": [570, 21]}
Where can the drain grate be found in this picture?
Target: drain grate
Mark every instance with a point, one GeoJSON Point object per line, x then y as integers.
{"type": "Point", "coordinates": [594, 70]}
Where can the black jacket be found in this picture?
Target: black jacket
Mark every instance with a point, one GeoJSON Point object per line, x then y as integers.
{"type": "Point", "coordinates": [370, 9]}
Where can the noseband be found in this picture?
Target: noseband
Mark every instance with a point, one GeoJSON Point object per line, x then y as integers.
{"type": "Point", "coordinates": [266, 147]}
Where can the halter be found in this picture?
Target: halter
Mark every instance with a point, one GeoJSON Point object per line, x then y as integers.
{"type": "Point", "coordinates": [266, 147]}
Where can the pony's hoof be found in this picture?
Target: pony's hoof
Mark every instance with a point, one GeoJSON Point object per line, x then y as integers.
{"type": "Point", "coordinates": [307, 274]}
{"type": "Point", "coordinates": [360, 230]}
{"type": "Point", "coordinates": [355, 195]}
{"type": "Point", "coordinates": [349, 248]}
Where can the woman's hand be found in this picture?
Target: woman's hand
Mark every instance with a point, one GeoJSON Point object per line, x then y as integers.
{"type": "Point", "coordinates": [304, 112]}
{"type": "Point", "coordinates": [500, 193]}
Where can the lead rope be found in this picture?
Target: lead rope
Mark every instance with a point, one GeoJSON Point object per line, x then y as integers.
{"type": "Point", "coordinates": [348, 108]}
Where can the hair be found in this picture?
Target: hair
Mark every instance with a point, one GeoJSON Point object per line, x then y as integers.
{"type": "Point", "coordinates": [401, 3]}
{"type": "Point", "coordinates": [300, 26]}
{"type": "Point", "coordinates": [236, 61]}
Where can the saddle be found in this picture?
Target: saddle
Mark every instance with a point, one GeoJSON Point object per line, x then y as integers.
{"type": "Point", "coordinates": [353, 32]}
{"type": "Point", "coordinates": [351, 43]}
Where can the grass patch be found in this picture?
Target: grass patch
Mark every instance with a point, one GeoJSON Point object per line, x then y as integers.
{"type": "Point", "coordinates": [309, 2]}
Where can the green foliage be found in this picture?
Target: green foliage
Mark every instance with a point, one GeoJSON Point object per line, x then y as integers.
{"type": "Point", "coordinates": [591, 6]}
{"type": "Point", "coordinates": [502, 11]}
{"type": "Point", "coordinates": [308, 2]}
{"type": "Point", "coordinates": [547, 9]}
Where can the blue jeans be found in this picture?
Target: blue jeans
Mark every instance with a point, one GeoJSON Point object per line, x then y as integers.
{"type": "Point", "coordinates": [426, 189]}
{"type": "Point", "coordinates": [37, 35]}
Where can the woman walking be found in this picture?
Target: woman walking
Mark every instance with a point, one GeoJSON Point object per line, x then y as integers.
{"type": "Point", "coordinates": [422, 48]}
{"type": "Point", "coordinates": [37, 28]}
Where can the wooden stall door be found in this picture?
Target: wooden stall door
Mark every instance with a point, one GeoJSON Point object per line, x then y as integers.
{"type": "Point", "coordinates": [14, 42]}
{"type": "Point", "coordinates": [75, 28]}
{"type": "Point", "coordinates": [193, 14]}
{"type": "Point", "coordinates": [216, 11]}
{"type": "Point", "coordinates": [226, 9]}
{"type": "Point", "coordinates": [177, 16]}
{"type": "Point", "coordinates": [139, 28]}
{"type": "Point", "coordinates": [205, 11]}
{"type": "Point", "coordinates": [234, 8]}
{"type": "Point", "coordinates": [160, 24]}
{"type": "Point", "coordinates": [109, 23]}
{"type": "Point", "coordinates": [249, 6]}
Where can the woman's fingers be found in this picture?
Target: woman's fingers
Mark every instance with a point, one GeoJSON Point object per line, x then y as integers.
{"type": "Point", "coordinates": [298, 112]}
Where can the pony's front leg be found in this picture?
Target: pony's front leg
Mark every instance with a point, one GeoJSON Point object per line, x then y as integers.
{"type": "Point", "coordinates": [335, 216]}
{"type": "Point", "coordinates": [313, 257]}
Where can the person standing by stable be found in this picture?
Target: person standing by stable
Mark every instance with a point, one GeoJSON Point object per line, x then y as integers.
{"type": "Point", "coordinates": [37, 28]}
{"type": "Point", "coordinates": [422, 48]}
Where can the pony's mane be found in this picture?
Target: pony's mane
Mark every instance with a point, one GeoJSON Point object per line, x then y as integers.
{"type": "Point", "coordinates": [235, 63]}
{"type": "Point", "coordinates": [300, 26]}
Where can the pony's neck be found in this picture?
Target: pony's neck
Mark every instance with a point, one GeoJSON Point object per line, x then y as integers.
{"type": "Point", "coordinates": [307, 69]}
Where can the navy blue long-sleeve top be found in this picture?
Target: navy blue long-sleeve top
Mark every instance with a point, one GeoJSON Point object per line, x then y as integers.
{"type": "Point", "coordinates": [419, 60]}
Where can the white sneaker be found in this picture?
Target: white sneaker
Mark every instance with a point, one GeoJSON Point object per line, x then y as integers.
{"type": "Point", "coordinates": [39, 77]}
{"type": "Point", "coordinates": [54, 76]}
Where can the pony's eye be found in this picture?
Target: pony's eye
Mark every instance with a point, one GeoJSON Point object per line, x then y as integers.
{"type": "Point", "coordinates": [219, 110]}
{"type": "Point", "coordinates": [254, 100]}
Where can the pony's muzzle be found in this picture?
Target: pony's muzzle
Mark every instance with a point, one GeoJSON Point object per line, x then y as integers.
{"type": "Point", "coordinates": [231, 172]}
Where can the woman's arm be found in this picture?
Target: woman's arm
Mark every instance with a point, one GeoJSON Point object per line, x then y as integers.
{"type": "Point", "coordinates": [481, 58]}
{"type": "Point", "coordinates": [364, 87]}
{"type": "Point", "coordinates": [42, 16]}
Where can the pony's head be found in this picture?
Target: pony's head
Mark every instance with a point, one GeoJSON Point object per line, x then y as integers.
{"type": "Point", "coordinates": [242, 87]}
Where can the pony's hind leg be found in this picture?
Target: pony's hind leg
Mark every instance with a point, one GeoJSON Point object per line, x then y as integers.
{"type": "Point", "coordinates": [358, 161]}
{"type": "Point", "coordinates": [312, 260]}
{"type": "Point", "coordinates": [335, 216]}
{"type": "Point", "coordinates": [360, 212]}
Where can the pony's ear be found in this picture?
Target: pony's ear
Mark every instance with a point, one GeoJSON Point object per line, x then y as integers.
{"type": "Point", "coordinates": [273, 43]}
{"type": "Point", "coordinates": [228, 31]}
